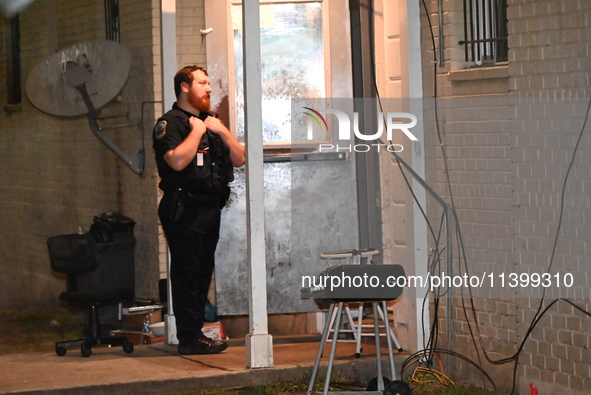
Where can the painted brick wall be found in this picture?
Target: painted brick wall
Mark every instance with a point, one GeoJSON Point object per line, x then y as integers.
{"type": "Point", "coordinates": [56, 176]}
{"type": "Point", "coordinates": [550, 43]}
{"type": "Point", "coordinates": [507, 164]}
{"type": "Point", "coordinates": [139, 19]}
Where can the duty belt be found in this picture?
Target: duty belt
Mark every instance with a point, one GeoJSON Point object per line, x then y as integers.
{"type": "Point", "coordinates": [197, 196]}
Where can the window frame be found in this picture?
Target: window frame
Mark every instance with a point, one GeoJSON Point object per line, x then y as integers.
{"type": "Point", "coordinates": [337, 75]}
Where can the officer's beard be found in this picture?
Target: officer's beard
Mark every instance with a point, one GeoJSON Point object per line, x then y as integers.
{"type": "Point", "coordinates": [200, 104]}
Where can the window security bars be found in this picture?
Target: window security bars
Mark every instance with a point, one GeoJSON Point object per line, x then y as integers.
{"type": "Point", "coordinates": [485, 31]}
{"type": "Point", "coordinates": [13, 63]}
{"type": "Point", "coordinates": [112, 20]}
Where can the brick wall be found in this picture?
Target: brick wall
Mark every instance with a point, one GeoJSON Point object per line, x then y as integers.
{"type": "Point", "coordinates": [139, 34]}
{"type": "Point", "coordinates": [507, 164]}
{"type": "Point", "coordinates": [549, 43]}
{"type": "Point", "coordinates": [55, 174]}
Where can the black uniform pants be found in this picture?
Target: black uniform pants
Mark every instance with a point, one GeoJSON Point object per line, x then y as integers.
{"type": "Point", "coordinates": [192, 228]}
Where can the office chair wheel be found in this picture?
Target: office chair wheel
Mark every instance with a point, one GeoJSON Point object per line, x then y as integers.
{"type": "Point", "coordinates": [373, 383]}
{"type": "Point", "coordinates": [60, 351]}
{"type": "Point", "coordinates": [86, 349]}
{"type": "Point", "coordinates": [397, 387]}
{"type": "Point", "coordinates": [357, 355]}
{"type": "Point", "coordinates": [128, 347]}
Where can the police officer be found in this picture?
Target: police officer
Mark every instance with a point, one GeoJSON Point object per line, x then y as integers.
{"type": "Point", "coordinates": [195, 155]}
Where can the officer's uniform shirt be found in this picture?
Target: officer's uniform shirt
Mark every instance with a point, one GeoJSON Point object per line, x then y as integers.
{"type": "Point", "coordinates": [208, 173]}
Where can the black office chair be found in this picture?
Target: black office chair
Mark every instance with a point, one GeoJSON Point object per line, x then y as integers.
{"type": "Point", "coordinates": [81, 259]}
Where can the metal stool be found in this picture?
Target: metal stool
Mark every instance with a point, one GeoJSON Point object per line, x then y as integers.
{"type": "Point", "coordinates": [355, 257]}
{"type": "Point", "coordinates": [393, 387]}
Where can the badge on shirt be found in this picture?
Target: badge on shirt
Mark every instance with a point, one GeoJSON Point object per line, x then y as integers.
{"type": "Point", "coordinates": [160, 129]}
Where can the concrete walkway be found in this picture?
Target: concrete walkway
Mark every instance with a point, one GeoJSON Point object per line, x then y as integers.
{"type": "Point", "coordinates": [160, 369]}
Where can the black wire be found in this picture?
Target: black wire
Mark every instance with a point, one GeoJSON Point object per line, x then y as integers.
{"type": "Point", "coordinates": [434, 328]}
{"type": "Point", "coordinates": [434, 333]}
{"type": "Point", "coordinates": [141, 126]}
{"type": "Point", "coordinates": [459, 237]}
{"type": "Point", "coordinates": [462, 256]}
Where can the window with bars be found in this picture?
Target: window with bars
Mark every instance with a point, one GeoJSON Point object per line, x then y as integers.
{"type": "Point", "coordinates": [485, 31]}
{"type": "Point", "coordinates": [112, 20]}
{"type": "Point", "coordinates": [13, 63]}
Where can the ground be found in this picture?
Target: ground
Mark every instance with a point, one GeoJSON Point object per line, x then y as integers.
{"type": "Point", "coordinates": [31, 330]}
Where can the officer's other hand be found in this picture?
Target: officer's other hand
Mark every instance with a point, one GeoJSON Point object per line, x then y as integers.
{"type": "Point", "coordinates": [215, 125]}
{"type": "Point", "coordinates": [197, 125]}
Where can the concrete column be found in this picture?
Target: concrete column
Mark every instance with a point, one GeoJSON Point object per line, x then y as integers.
{"type": "Point", "coordinates": [168, 42]}
{"type": "Point", "coordinates": [169, 68]}
{"type": "Point", "coordinates": [259, 344]}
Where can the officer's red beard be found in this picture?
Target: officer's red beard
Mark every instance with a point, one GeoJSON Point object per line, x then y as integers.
{"type": "Point", "coordinates": [200, 103]}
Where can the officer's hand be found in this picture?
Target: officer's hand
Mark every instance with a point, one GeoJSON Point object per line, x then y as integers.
{"type": "Point", "coordinates": [215, 125]}
{"type": "Point", "coordinates": [197, 125]}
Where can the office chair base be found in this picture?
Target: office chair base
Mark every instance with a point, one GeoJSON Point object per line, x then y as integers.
{"type": "Point", "coordinates": [87, 344]}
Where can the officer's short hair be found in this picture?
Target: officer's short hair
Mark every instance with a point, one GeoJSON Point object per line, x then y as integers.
{"type": "Point", "coordinates": [185, 75]}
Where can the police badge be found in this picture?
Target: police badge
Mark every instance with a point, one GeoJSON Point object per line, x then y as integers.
{"type": "Point", "coordinates": [160, 129]}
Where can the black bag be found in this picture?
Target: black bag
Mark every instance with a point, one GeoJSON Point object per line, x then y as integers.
{"type": "Point", "coordinates": [107, 224]}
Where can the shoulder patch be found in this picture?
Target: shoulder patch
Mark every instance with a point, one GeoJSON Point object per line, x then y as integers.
{"type": "Point", "coordinates": [160, 129]}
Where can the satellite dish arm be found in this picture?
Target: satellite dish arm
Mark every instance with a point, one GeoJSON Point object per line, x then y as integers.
{"type": "Point", "coordinates": [135, 163]}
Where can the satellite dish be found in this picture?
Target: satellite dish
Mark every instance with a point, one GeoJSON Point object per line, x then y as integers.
{"type": "Point", "coordinates": [14, 7]}
{"type": "Point", "coordinates": [80, 80]}
{"type": "Point", "coordinates": [102, 65]}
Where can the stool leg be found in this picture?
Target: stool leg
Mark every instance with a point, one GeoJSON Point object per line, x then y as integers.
{"type": "Point", "coordinates": [376, 328]}
{"type": "Point", "coordinates": [390, 332]}
{"type": "Point", "coordinates": [359, 328]}
{"type": "Point", "coordinates": [94, 322]}
{"type": "Point", "coordinates": [389, 341]}
{"type": "Point", "coordinates": [323, 338]}
{"type": "Point", "coordinates": [332, 317]}
{"type": "Point", "coordinates": [333, 348]}
{"type": "Point", "coordinates": [351, 322]}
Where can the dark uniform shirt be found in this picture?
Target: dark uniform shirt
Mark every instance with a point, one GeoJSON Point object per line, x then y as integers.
{"type": "Point", "coordinates": [209, 172]}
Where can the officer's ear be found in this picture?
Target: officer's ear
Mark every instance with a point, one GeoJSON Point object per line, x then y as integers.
{"type": "Point", "coordinates": [185, 86]}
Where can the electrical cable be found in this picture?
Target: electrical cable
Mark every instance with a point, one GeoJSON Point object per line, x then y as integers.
{"type": "Point", "coordinates": [416, 357]}
{"type": "Point", "coordinates": [459, 238]}
{"type": "Point", "coordinates": [446, 170]}
{"type": "Point", "coordinates": [431, 344]}
{"type": "Point", "coordinates": [141, 125]}
{"type": "Point", "coordinates": [435, 327]}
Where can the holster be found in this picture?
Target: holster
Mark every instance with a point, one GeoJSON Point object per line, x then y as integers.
{"type": "Point", "coordinates": [177, 205]}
